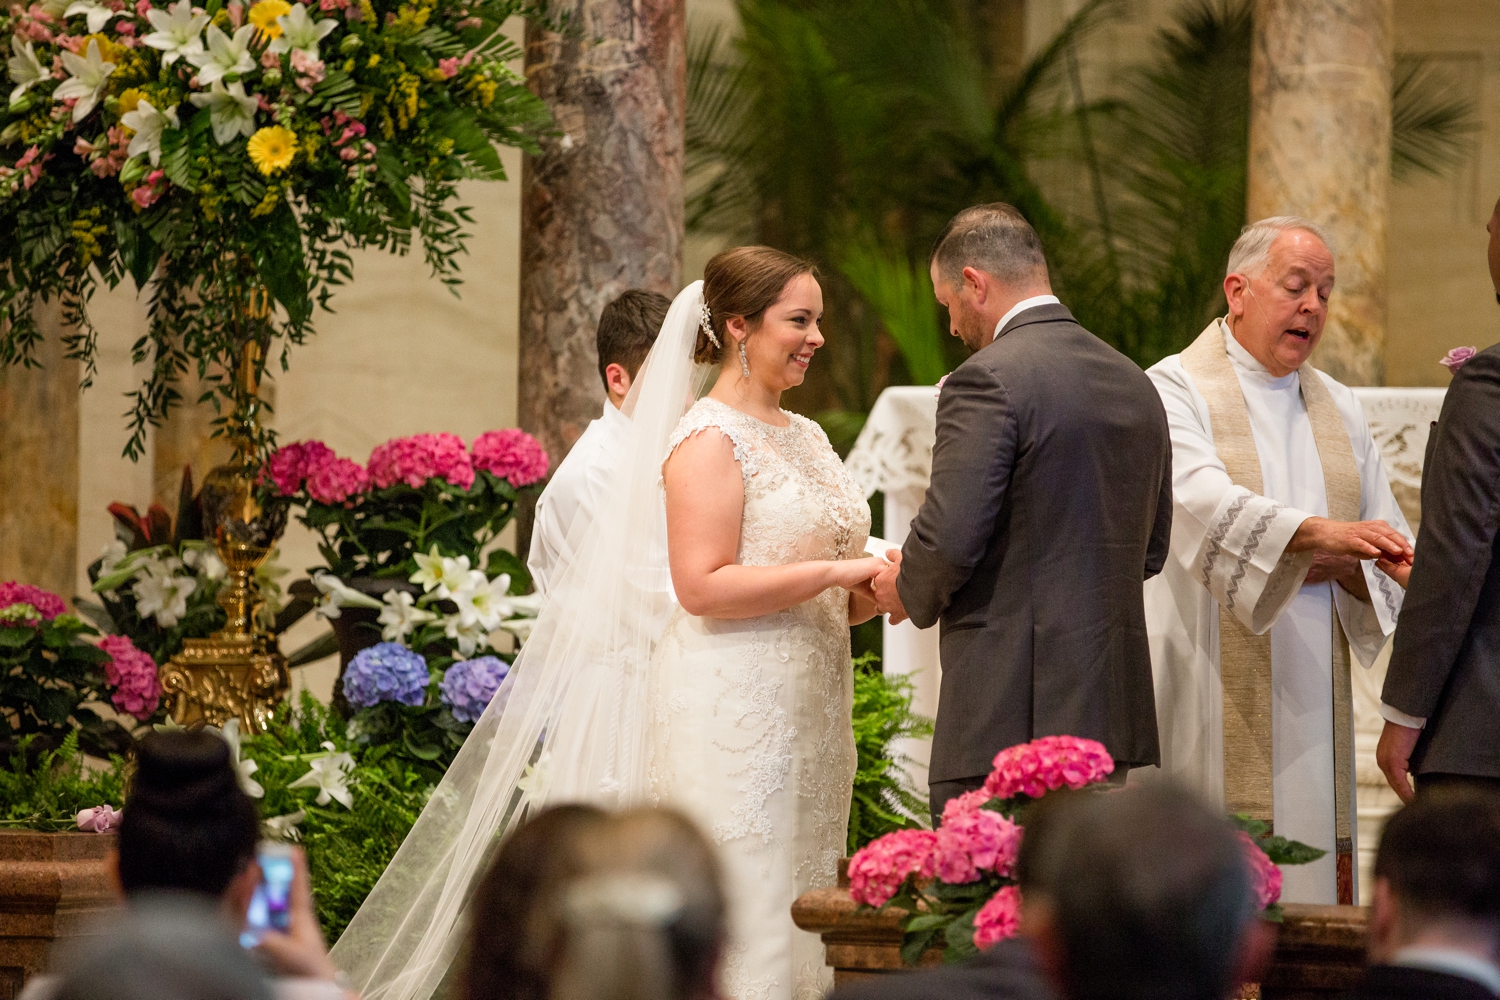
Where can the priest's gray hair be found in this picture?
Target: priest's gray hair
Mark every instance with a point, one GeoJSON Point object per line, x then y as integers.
{"type": "Point", "coordinates": [993, 238]}
{"type": "Point", "coordinates": [1253, 248]}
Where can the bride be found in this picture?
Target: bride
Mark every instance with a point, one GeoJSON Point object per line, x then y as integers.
{"type": "Point", "coordinates": [725, 693]}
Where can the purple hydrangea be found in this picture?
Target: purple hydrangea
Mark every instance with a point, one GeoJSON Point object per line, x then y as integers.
{"type": "Point", "coordinates": [386, 671]}
{"type": "Point", "coordinates": [470, 684]}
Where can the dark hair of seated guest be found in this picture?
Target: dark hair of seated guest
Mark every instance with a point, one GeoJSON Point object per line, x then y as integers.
{"type": "Point", "coordinates": [532, 867]}
{"type": "Point", "coordinates": [188, 826]}
{"type": "Point", "coordinates": [1441, 856]}
{"type": "Point", "coordinates": [1146, 893]}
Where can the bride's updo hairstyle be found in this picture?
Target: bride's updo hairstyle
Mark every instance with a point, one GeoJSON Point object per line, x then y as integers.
{"type": "Point", "coordinates": [743, 281]}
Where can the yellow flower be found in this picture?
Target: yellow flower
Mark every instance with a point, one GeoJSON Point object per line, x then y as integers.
{"type": "Point", "coordinates": [129, 98]}
{"type": "Point", "coordinates": [109, 50]}
{"type": "Point", "coordinates": [271, 148]}
{"type": "Point", "coordinates": [264, 14]}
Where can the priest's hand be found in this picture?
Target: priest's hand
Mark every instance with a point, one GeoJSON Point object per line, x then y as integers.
{"type": "Point", "coordinates": [1393, 754]}
{"type": "Point", "coordinates": [887, 599]}
{"type": "Point", "coordinates": [1327, 567]}
{"type": "Point", "coordinates": [1360, 539]}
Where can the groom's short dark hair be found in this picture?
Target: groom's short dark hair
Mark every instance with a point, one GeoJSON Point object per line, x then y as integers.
{"type": "Point", "coordinates": [628, 327]}
{"type": "Point", "coordinates": [995, 239]}
{"type": "Point", "coordinates": [1441, 855]}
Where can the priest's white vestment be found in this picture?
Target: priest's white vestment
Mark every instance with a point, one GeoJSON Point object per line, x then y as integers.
{"type": "Point", "coordinates": [1228, 550]}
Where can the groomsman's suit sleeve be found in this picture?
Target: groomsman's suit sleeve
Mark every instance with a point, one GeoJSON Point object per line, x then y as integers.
{"type": "Point", "coordinates": [972, 459]}
{"type": "Point", "coordinates": [1161, 527]}
{"type": "Point", "coordinates": [1460, 518]}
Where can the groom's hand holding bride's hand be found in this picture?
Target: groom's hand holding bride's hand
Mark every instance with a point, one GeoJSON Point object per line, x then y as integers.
{"type": "Point", "coordinates": [887, 600]}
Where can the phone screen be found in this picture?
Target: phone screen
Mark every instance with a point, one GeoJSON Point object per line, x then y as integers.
{"type": "Point", "coordinates": [269, 907]}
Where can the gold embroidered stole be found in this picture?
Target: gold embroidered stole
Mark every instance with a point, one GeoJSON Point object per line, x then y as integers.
{"type": "Point", "coordinates": [1245, 658]}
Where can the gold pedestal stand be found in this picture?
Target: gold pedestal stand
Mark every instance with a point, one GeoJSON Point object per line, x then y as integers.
{"type": "Point", "coordinates": [237, 672]}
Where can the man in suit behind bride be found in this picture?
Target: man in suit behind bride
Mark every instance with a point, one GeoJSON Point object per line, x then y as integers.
{"type": "Point", "coordinates": [1050, 504]}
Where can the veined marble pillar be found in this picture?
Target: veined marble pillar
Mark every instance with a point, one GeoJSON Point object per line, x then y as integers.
{"type": "Point", "coordinates": [1320, 147]}
{"type": "Point", "coordinates": [602, 206]}
{"type": "Point", "coordinates": [39, 464]}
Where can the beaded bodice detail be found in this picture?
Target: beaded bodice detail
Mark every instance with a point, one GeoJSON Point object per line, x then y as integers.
{"type": "Point", "coordinates": [800, 503]}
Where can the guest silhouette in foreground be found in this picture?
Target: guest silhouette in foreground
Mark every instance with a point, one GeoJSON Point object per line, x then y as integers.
{"type": "Point", "coordinates": [1050, 503]}
{"type": "Point", "coordinates": [1441, 700]}
{"type": "Point", "coordinates": [1435, 918]}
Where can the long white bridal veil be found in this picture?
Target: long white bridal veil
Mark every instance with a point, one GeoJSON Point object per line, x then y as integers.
{"type": "Point", "coordinates": [575, 727]}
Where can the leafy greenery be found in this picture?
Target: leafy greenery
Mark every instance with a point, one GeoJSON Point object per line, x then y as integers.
{"type": "Point", "coordinates": [47, 793]}
{"type": "Point", "coordinates": [248, 199]}
{"type": "Point", "coordinates": [347, 849]}
{"type": "Point", "coordinates": [48, 674]}
{"type": "Point", "coordinates": [884, 798]}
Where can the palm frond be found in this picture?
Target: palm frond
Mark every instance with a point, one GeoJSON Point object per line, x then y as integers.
{"type": "Point", "coordinates": [900, 293]}
{"type": "Point", "coordinates": [1432, 124]}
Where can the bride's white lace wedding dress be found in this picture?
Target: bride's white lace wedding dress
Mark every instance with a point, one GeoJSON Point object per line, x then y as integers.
{"type": "Point", "coordinates": [751, 729]}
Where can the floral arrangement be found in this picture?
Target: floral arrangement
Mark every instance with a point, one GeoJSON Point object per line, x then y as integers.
{"type": "Point", "coordinates": [956, 884]}
{"type": "Point", "coordinates": [413, 495]}
{"type": "Point", "coordinates": [224, 151]}
{"type": "Point", "coordinates": [49, 674]}
{"type": "Point", "coordinates": [1457, 358]}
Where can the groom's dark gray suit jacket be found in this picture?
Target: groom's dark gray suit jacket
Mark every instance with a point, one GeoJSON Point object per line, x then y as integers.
{"type": "Point", "coordinates": [1050, 505]}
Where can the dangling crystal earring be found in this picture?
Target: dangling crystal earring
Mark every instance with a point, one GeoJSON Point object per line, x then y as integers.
{"type": "Point", "coordinates": [744, 362]}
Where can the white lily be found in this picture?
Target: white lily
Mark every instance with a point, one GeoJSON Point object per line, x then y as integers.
{"type": "Point", "coordinates": [338, 594]}
{"type": "Point", "coordinates": [301, 32]}
{"type": "Point", "coordinates": [519, 627]}
{"type": "Point", "coordinates": [483, 602]}
{"type": "Point", "coordinates": [109, 560]}
{"type": "Point", "coordinates": [329, 774]}
{"type": "Point", "coordinates": [468, 637]}
{"type": "Point", "coordinates": [202, 561]}
{"type": "Point", "coordinates": [527, 605]}
{"type": "Point", "coordinates": [161, 594]}
{"type": "Point", "coordinates": [225, 55]}
{"type": "Point", "coordinates": [537, 778]}
{"type": "Point", "coordinates": [95, 12]}
{"type": "Point", "coordinates": [24, 68]}
{"type": "Point", "coordinates": [401, 616]}
{"type": "Point", "coordinates": [87, 81]}
{"type": "Point", "coordinates": [439, 573]}
{"type": "Point", "coordinates": [230, 111]}
{"type": "Point", "coordinates": [148, 125]}
{"type": "Point", "coordinates": [284, 827]}
{"type": "Point", "coordinates": [243, 768]}
{"type": "Point", "coordinates": [179, 31]}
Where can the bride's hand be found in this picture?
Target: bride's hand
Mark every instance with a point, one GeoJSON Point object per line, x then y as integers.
{"type": "Point", "coordinates": [850, 573]}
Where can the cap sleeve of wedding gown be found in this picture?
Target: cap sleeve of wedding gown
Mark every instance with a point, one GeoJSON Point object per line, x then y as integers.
{"type": "Point", "coordinates": [737, 427]}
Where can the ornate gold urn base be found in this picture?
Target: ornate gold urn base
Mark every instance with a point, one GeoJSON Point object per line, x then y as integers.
{"type": "Point", "coordinates": [238, 672]}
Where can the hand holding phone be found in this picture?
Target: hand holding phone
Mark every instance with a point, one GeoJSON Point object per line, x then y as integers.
{"type": "Point", "coordinates": [288, 937]}
{"type": "Point", "coordinates": [270, 907]}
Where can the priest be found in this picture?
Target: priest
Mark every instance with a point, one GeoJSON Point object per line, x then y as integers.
{"type": "Point", "coordinates": [1288, 551]}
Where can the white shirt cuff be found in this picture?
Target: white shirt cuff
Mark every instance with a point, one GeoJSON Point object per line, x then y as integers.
{"type": "Point", "coordinates": [1400, 718]}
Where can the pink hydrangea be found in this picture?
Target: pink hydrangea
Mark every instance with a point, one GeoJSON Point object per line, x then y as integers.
{"type": "Point", "coordinates": [877, 870]}
{"type": "Point", "coordinates": [132, 673]}
{"type": "Point", "coordinates": [1264, 874]}
{"type": "Point", "coordinates": [1051, 762]}
{"type": "Point", "coordinates": [47, 604]}
{"type": "Point", "coordinates": [973, 841]}
{"type": "Point", "coordinates": [998, 919]}
{"type": "Point", "coordinates": [337, 480]}
{"type": "Point", "coordinates": [416, 459]}
{"type": "Point", "coordinates": [511, 454]}
{"type": "Point", "coordinates": [290, 464]}
{"type": "Point", "coordinates": [965, 803]}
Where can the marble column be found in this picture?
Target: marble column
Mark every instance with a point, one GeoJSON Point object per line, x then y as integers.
{"type": "Point", "coordinates": [185, 438]}
{"type": "Point", "coordinates": [39, 464]}
{"type": "Point", "coordinates": [602, 206]}
{"type": "Point", "coordinates": [1320, 147]}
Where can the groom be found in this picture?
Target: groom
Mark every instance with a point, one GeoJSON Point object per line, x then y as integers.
{"type": "Point", "coordinates": [1050, 504]}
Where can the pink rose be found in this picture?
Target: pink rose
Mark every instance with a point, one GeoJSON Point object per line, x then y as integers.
{"type": "Point", "coordinates": [99, 819]}
{"type": "Point", "coordinates": [512, 455]}
{"type": "Point", "coordinates": [877, 870]}
{"type": "Point", "coordinates": [998, 919]}
{"type": "Point", "coordinates": [1038, 767]}
{"type": "Point", "coordinates": [448, 67]}
{"type": "Point", "coordinates": [47, 604]}
{"type": "Point", "coordinates": [132, 673]}
{"type": "Point", "coordinates": [1265, 876]}
{"type": "Point", "coordinates": [1457, 358]}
